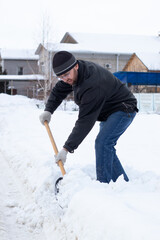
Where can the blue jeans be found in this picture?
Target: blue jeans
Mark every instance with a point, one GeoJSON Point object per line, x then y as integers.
{"type": "Point", "coordinates": [108, 166]}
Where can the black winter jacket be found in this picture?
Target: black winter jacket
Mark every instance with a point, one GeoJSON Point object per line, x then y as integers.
{"type": "Point", "coordinates": [98, 93]}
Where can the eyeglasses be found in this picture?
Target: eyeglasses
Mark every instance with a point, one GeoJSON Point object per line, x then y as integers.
{"type": "Point", "coordinates": [64, 76]}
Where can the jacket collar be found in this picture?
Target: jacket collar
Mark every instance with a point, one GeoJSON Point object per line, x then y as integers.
{"type": "Point", "coordinates": [81, 73]}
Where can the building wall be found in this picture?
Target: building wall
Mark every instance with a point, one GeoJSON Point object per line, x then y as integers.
{"type": "Point", "coordinates": [112, 62]}
{"type": "Point", "coordinates": [29, 66]}
{"type": "Point", "coordinates": [45, 61]}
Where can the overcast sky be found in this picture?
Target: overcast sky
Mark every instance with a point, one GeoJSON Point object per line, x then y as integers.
{"type": "Point", "coordinates": [24, 24]}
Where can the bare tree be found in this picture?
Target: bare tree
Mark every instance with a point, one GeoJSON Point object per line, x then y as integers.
{"type": "Point", "coordinates": [44, 35]}
{"type": "Point", "coordinates": [46, 31]}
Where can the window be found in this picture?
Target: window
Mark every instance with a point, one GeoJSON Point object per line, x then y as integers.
{"type": "Point", "coordinates": [42, 67]}
{"type": "Point", "coordinates": [20, 70]}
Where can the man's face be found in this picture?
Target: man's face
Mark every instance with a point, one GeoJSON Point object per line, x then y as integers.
{"type": "Point", "coordinates": [71, 76]}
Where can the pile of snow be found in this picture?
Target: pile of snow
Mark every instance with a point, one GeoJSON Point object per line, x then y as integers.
{"type": "Point", "coordinates": [84, 209]}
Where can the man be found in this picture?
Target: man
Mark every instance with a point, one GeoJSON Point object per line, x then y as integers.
{"type": "Point", "coordinates": [100, 97]}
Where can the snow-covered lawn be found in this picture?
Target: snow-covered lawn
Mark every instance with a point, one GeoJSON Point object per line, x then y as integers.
{"type": "Point", "coordinates": [84, 209]}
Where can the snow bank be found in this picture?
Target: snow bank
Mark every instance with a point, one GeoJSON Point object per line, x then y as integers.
{"type": "Point", "coordinates": [84, 209]}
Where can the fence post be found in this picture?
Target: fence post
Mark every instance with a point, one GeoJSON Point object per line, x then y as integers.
{"type": "Point", "coordinates": [153, 101]}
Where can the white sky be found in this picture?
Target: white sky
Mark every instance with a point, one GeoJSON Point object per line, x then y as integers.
{"type": "Point", "coordinates": [21, 21]}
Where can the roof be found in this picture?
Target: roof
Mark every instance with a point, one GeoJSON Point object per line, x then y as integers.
{"type": "Point", "coordinates": [115, 42]}
{"type": "Point", "coordinates": [74, 48]}
{"type": "Point", "coordinates": [139, 78]}
{"type": "Point", "coordinates": [21, 77]}
{"type": "Point", "coordinates": [18, 54]}
{"type": "Point", "coordinates": [150, 60]}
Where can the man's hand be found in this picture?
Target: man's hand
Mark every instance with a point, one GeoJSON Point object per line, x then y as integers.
{"type": "Point", "coordinates": [45, 116]}
{"type": "Point", "coordinates": [62, 155]}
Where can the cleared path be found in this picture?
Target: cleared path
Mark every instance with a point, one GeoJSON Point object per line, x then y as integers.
{"type": "Point", "coordinates": [12, 195]}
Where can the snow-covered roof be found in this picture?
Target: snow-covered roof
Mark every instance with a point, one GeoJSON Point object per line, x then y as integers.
{"type": "Point", "coordinates": [21, 77]}
{"type": "Point", "coordinates": [116, 42]}
{"type": "Point", "coordinates": [150, 60]}
{"type": "Point", "coordinates": [18, 54]}
{"type": "Point", "coordinates": [75, 48]}
{"type": "Point", "coordinates": [69, 47]}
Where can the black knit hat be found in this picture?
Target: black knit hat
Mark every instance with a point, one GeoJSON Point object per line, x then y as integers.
{"type": "Point", "coordinates": [63, 61]}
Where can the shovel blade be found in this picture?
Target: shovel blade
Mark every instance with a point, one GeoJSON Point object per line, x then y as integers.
{"type": "Point", "coordinates": [56, 185]}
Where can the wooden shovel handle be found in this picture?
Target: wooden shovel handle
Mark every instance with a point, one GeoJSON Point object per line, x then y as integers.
{"type": "Point", "coordinates": [60, 164]}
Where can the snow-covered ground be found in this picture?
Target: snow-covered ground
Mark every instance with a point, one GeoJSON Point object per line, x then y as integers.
{"type": "Point", "coordinates": [84, 209]}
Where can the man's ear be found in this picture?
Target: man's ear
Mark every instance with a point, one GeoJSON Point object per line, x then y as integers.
{"type": "Point", "coordinates": [76, 66]}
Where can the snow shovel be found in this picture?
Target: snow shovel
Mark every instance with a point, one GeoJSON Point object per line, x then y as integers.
{"type": "Point", "coordinates": [60, 164]}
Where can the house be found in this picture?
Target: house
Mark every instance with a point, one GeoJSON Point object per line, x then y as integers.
{"type": "Point", "coordinates": [19, 62]}
{"type": "Point", "coordinates": [19, 73]}
{"type": "Point", "coordinates": [111, 51]}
